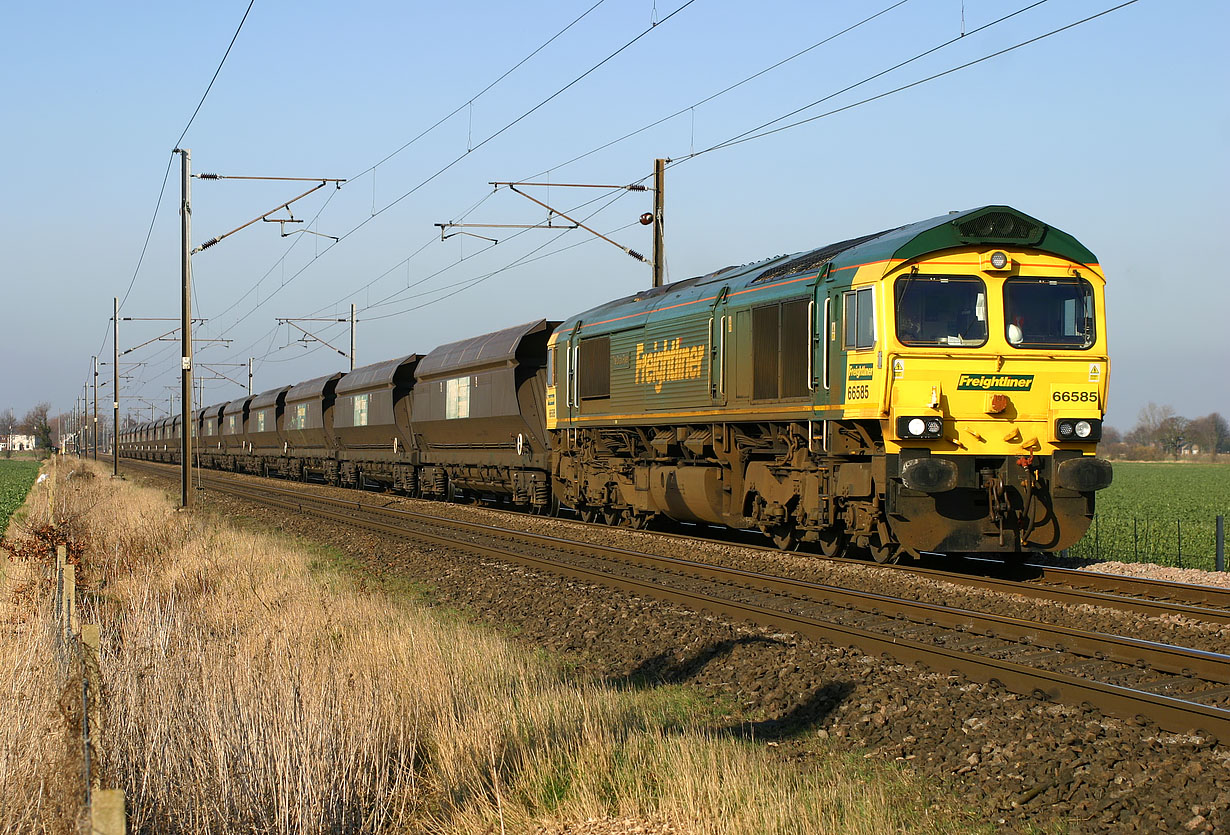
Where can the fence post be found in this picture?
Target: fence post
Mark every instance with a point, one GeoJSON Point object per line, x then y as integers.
{"type": "Point", "coordinates": [107, 815]}
{"type": "Point", "coordinates": [68, 626]}
{"type": "Point", "coordinates": [90, 686]}
{"type": "Point", "coordinates": [1178, 526]}
{"type": "Point", "coordinates": [61, 553]}
{"type": "Point", "coordinates": [1221, 543]}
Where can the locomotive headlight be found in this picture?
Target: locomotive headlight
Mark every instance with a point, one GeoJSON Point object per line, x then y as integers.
{"type": "Point", "coordinates": [999, 260]}
{"type": "Point", "coordinates": [920, 427]}
{"type": "Point", "coordinates": [1077, 429]}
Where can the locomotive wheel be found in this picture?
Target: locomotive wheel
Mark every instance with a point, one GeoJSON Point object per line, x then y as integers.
{"type": "Point", "coordinates": [832, 542]}
{"type": "Point", "coordinates": [785, 537]}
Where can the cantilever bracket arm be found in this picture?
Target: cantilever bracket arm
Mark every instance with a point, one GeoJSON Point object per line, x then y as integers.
{"type": "Point", "coordinates": [315, 337]}
{"type": "Point", "coordinates": [277, 208]}
{"type": "Point", "coordinates": [554, 211]}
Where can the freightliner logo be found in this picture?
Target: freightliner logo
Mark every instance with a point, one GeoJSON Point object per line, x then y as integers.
{"type": "Point", "coordinates": [995, 382]}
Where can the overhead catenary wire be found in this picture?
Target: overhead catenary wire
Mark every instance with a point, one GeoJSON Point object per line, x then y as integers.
{"type": "Point", "coordinates": [760, 132]}
{"type": "Point", "coordinates": [372, 168]}
{"type": "Point", "coordinates": [747, 79]}
{"type": "Point", "coordinates": [178, 142]}
{"type": "Point", "coordinates": [752, 77]}
{"type": "Point", "coordinates": [748, 135]}
{"type": "Point", "coordinates": [170, 160]}
{"type": "Point", "coordinates": [406, 145]}
{"type": "Point", "coordinates": [509, 125]}
{"type": "Point", "coordinates": [692, 107]}
{"type": "Point", "coordinates": [711, 97]}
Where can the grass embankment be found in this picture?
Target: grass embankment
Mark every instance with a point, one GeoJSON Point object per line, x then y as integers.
{"type": "Point", "coordinates": [250, 689]}
{"type": "Point", "coordinates": [1161, 512]}
{"type": "Point", "coordinates": [16, 478]}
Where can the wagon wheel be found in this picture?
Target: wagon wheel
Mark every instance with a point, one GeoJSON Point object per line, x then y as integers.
{"type": "Point", "coordinates": [832, 541]}
{"type": "Point", "coordinates": [551, 508]}
{"type": "Point", "coordinates": [588, 514]}
{"type": "Point", "coordinates": [638, 521]}
{"type": "Point", "coordinates": [884, 553]}
{"type": "Point", "coordinates": [785, 536]}
{"type": "Point", "coordinates": [612, 517]}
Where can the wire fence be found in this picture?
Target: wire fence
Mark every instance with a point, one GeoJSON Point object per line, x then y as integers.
{"type": "Point", "coordinates": [1183, 542]}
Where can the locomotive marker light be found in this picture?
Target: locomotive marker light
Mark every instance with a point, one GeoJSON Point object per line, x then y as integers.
{"type": "Point", "coordinates": [996, 261]}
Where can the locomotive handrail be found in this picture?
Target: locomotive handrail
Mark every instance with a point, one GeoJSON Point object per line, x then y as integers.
{"type": "Point", "coordinates": [824, 342]}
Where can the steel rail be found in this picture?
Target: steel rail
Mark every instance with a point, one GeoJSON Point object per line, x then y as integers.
{"type": "Point", "coordinates": [1077, 596]}
{"type": "Point", "coordinates": [1206, 596]}
{"type": "Point", "coordinates": [1169, 713]}
{"type": "Point", "coordinates": [1110, 591]}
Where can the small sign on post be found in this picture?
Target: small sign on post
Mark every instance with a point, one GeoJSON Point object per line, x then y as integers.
{"type": "Point", "coordinates": [1220, 559]}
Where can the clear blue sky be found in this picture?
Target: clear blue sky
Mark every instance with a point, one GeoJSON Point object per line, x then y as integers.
{"type": "Point", "coordinates": [1116, 131]}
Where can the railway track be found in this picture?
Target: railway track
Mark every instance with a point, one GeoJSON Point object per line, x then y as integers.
{"type": "Point", "coordinates": [1179, 689]}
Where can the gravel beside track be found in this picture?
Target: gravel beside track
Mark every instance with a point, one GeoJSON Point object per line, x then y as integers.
{"type": "Point", "coordinates": [1012, 759]}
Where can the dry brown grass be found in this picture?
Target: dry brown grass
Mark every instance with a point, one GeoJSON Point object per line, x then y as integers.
{"type": "Point", "coordinates": [246, 692]}
{"type": "Point", "coordinates": [41, 785]}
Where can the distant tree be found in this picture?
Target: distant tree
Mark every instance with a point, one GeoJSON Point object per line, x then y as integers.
{"type": "Point", "coordinates": [1221, 432]}
{"type": "Point", "coordinates": [1211, 433]}
{"type": "Point", "coordinates": [1111, 435]}
{"type": "Point", "coordinates": [36, 423]}
{"type": "Point", "coordinates": [1149, 423]}
{"type": "Point", "coordinates": [8, 425]}
{"type": "Point", "coordinates": [1171, 434]}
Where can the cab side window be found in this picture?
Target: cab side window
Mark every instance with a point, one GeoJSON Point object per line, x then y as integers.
{"type": "Point", "coordinates": [859, 317]}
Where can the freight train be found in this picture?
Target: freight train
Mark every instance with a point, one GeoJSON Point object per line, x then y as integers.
{"type": "Point", "coordinates": [935, 387]}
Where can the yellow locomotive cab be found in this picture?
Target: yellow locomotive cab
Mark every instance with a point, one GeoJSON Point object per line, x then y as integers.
{"type": "Point", "coordinates": [999, 388]}
{"type": "Point", "coordinates": [1004, 352]}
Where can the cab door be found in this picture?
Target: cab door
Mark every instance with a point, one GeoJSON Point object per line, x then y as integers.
{"type": "Point", "coordinates": [830, 357]}
{"type": "Point", "coordinates": [572, 407]}
{"type": "Point", "coordinates": [723, 349]}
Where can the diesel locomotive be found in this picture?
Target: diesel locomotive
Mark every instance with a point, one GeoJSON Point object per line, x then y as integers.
{"type": "Point", "coordinates": [939, 386]}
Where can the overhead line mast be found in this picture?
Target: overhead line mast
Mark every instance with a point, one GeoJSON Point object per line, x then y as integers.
{"type": "Point", "coordinates": [185, 447]}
